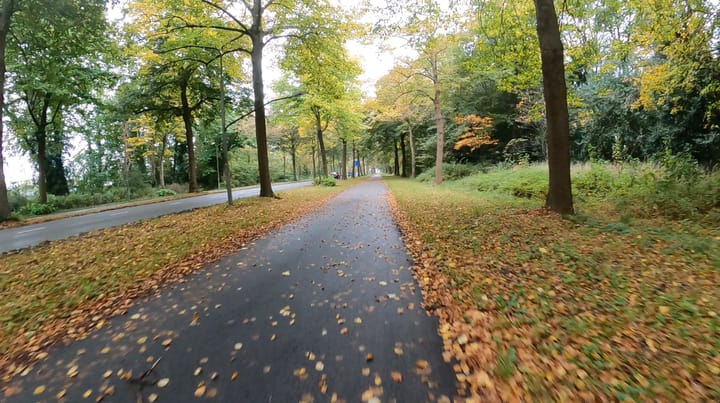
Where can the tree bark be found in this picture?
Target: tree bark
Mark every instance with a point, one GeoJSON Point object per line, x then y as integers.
{"type": "Point", "coordinates": [187, 120]}
{"type": "Point", "coordinates": [294, 167]}
{"type": "Point", "coordinates": [559, 197]}
{"type": "Point", "coordinates": [313, 163]}
{"type": "Point", "coordinates": [8, 7]}
{"type": "Point", "coordinates": [257, 37]}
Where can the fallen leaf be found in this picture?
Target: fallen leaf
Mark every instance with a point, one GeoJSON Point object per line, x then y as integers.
{"type": "Point", "coordinates": [198, 370]}
{"type": "Point", "coordinates": [319, 366]}
{"type": "Point", "coordinates": [200, 390]}
{"type": "Point", "coordinates": [422, 364]}
{"type": "Point", "coordinates": [286, 273]}
{"type": "Point", "coordinates": [238, 346]}
{"type": "Point", "coordinates": [396, 376]}
{"type": "Point", "coordinates": [72, 372]}
{"type": "Point", "coordinates": [234, 376]}
{"type": "Point", "coordinates": [38, 390]}
{"type": "Point", "coordinates": [166, 342]}
{"type": "Point", "coordinates": [107, 374]}
{"type": "Point", "coordinates": [87, 393]}
{"type": "Point", "coordinates": [163, 382]}
{"type": "Point", "coordinates": [152, 397]}
{"type": "Point", "coordinates": [369, 357]}
{"type": "Point", "coordinates": [398, 351]}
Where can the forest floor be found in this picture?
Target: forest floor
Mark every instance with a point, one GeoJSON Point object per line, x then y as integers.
{"type": "Point", "coordinates": [324, 308]}
{"type": "Point", "coordinates": [535, 307]}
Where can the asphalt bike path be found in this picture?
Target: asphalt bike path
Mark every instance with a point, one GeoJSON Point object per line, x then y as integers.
{"type": "Point", "coordinates": [322, 310]}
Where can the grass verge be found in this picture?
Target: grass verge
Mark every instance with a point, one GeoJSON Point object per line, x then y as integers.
{"type": "Point", "coordinates": [534, 307]}
{"type": "Point", "coordinates": [63, 290]}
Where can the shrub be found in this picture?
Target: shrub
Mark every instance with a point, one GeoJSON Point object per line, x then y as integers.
{"type": "Point", "coordinates": [451, 172]}
{"type": "Point", "coordinates": [34, 208]}
{"type": "Point", "coordinates": [165, 192]}
{"type": "Point", "coordinates": [327, 181]}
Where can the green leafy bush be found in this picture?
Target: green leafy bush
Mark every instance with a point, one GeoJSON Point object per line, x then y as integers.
{"type": "Point", "coordinates": [451, 172]}
{"type": "Point", "coordinates": [328, 181]}
{"type": "Point", "coordinates": [165, 192]}
{"type": "Point", "coordinates": [34, 208]}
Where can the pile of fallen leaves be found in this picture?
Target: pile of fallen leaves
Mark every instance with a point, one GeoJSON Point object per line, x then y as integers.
{"type": "Point", "coordinates": [536, 307]}
{"type": "Point", "coordinates": [62, 290]}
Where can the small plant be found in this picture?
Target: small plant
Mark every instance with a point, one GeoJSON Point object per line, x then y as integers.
{"type": "Point", "coordinates": [506, 364]}
{"type": "Point", "coordinates": [165, 192]}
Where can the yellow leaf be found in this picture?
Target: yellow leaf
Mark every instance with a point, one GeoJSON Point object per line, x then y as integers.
{"type": "Point", "coordinates": [38, 390]}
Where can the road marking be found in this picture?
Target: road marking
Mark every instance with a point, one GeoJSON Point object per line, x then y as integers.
{"type": "Point", "coordinates": [119, 213]}
{"type": "Point", "coordinates": [31, 230]}
{"type": "Point", "coordinates": [175, 203]}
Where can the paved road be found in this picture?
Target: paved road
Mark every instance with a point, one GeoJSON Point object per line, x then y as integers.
{"type": "Point", "coordinates": [323, 310]}
{"type": "Point", "coordinates": [29, 235]}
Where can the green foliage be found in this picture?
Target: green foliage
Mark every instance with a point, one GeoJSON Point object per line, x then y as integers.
{"type": "Point", "coordinates": [325, 181]}
{"type": "Point", "coordinates": [165, 192]}
{"type": "Point", "coordinates": [451, 172]}
{"type": "Point", "coordinates": [34, 208]}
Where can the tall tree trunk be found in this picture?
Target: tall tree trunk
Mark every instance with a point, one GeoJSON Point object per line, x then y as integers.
{"type": "Point", "coordinates": [162, 161]}
{"type": "Point", "coordinates": [293, 150]}
{"type": "Point", "coordinates": [313, 163]}
{"type": "Point", "coordinates": [440, 125]}
{"type": "Point", "coordinates": [187, 119]}
{"type": "Point", "coordinates": [559, 197]}
{"type": "Point", "coordinates": [41, 123]}
{"type": "Point", "coordinates": [403, 156]}
{"type": "Point", "coordinates": [8, 7]}
{"type": "Point", "coordinates": [344, 158]}
{"type": "Point", "coordinates": [361, 164]}
{"type": "Point", "coordinates": [256, 56]}
{"type": "Point", "coordinates": [321, 142]}
{"type": "Point", "coordinates": [412, 149]}
{"type": "Point", "coordinates": [396, 170]}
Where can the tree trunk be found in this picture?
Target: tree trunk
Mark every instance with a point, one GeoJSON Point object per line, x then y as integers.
{"type": "Point", "coordinates": [412, 150]}
{"type": "Point", "coordinates": [41, 157]}
{"type": "Point", "coordinates": [162, 161]}
{"type": "Point", "coordinates": [293, 150]}
{"type": "Point", "coordinates": [440, 125]}
{"type": "Point", "coordinates": [559, 197]}
{"type": "Point", "coordinates": [396, 170]}
{"type": "Point", "coordinates": [344, 158]}
{"type": "Point", "coordinates": [256, 56]}
{"type": "Point", "coordinates": [403, 156]}
{"type": "Point", "coordinates": [187, 119]}
{"type": "Point", "coordinates": [313, 162]}
{"type": "Point", "coordinates": [8, 7]}
{"type": "Point", "coordinates": [321, 142]}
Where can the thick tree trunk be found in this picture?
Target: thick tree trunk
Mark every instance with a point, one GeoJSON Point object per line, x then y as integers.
{"type": "Point", "coordinates": [353, 159]}
{"type": "Point", "coordinates": [344, 159]}
{"type": "Point", "coordinates": [440, 125]}
{"type": "Point", "coordinates": [8, 7]}
{"type": "Point", "coordinates": [412, 150]}
{"type": "Point", "coordinates": [187, 119]}
{"type": "Point", "coordinates": [257, 38]}
{"type": "Point", "coordinates": [559, 197]}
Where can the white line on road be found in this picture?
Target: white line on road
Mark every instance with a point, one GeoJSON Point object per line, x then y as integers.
{"type": "Point", "coordinates": [174, 203]}
{"type": "Point", "coordinates": [119, 213]}
{"type": "Point", "coordinates": [31, 230]}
